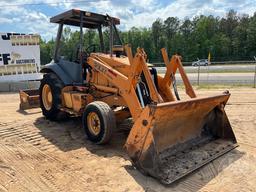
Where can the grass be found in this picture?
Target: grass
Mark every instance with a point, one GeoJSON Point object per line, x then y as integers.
{"type": "Point", "coordinates": [222, 71]}
{"type": "Point", "coordinates": [216, 86]}
{"type": "Point", "coordinates": [212, 69]}
{"type": "Point", "coordinates": [221, 86]}
{"type": "Point", "coordinates": [216, 71]}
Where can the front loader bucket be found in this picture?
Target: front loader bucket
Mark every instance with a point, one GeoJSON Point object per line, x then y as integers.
{"type": "Point", "coordinates": [170, 140]}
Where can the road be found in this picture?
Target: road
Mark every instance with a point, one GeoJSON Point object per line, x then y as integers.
{"type": "Point", "coordinates": [220, 74]}
{"type": "Point", "coordinates": [220, 78]}
{"type": "Point", "coordinates": [215, 68]}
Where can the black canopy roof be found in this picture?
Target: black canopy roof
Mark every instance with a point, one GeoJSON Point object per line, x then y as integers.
{"type": "Point", "coordinates": [90, 20]}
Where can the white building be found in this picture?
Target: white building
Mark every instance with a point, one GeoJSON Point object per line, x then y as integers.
{"type": "Point", "coordinates": [19, 57]}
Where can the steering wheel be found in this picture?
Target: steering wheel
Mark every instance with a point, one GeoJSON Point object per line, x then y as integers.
{"type": "Point", "coordinates": [85, 52]}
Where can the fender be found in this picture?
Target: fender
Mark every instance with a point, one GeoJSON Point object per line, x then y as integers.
{"type": "Point", "coordinates": [55, 68]}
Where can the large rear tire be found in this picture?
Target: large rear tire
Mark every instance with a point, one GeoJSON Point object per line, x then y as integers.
{"type": "Point", "coordinates": [99, 122]}
{"type": "Point", "coordinates": [50, 97]}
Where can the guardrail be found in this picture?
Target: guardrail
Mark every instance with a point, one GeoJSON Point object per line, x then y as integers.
{"type": "Point", "coordinates": [161, 64]}
{"type": "Point", "coordinates": [244, 74]}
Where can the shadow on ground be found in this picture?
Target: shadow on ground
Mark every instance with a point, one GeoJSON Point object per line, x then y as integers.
{"type": "Point", "coordinates": [25, 112]}
{"type": "Point", "coordinates": [69, 135]}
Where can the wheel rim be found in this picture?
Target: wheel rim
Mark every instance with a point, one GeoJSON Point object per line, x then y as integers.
{"type": "Point", "coordinates": [93, 123]}
{"type": "Point", "coordinates": [47, 97]}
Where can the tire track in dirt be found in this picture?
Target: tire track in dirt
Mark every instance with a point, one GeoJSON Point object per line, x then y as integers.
{"type": "Point", "coordinates": [38, 152]}
{"type": "Point", "coordinates": [30, 135]}
{"type": "Point", "coordinates": [28, 179]}
{"type": "Point", "coordinates": [16, 153]}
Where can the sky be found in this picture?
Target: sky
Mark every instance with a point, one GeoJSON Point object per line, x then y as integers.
{"type": "Point", "coordinates": [32, 16]}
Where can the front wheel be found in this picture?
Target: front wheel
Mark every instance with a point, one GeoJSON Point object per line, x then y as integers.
{"type": "Point", "coordinates": [99, 122]}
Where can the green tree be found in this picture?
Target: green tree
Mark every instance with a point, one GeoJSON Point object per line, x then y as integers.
{"type": "Point", "coordinates": [232, 37]}
{"type": "Point", "coordinates": [251, 32]}
{"type": "Point", "coordinates": [46, 51]}
{"type": "Point", "coordinates": [158, 38]}
{"type": "Point", "coordinates": [171, 27]}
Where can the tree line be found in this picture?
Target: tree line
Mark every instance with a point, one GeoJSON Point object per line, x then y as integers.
{"type": "Point", "coordinates": [232, 37]}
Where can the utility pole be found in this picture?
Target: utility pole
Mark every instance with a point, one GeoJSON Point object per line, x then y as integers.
{"type": "Point", "coordinates": [198, 75]}
{"type": "Point", "coordinates": [254, 85]}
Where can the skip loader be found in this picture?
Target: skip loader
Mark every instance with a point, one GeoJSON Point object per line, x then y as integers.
{"type": "Point", "coordinates": [170, 137]}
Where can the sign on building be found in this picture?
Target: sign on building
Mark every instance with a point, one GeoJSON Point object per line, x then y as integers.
{"type": "Point", "coordinates": [19, 57]}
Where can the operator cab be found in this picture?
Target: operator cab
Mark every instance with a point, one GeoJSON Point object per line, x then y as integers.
{"type": "Point", "coordinates": [72, 56]}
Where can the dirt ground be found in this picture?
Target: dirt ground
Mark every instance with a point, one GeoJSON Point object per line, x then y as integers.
{"type": "Point", "coordinates": [39, 155]}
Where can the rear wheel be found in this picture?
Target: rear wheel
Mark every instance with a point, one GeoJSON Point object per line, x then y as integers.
{"type": "Point", "coordinates": [50, 97]}
{"type": "Point", "coordinates": [99, 122]}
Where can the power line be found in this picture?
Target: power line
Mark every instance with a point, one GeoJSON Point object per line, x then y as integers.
{"type": "Point", "coordinates": [56, 3]}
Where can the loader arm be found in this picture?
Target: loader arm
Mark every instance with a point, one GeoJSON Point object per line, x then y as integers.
{"type": "Point", "coordinates": [120, 81]}
{"type": "Point", "coordinates": [172, 66]}
{"type": "Point", "coordinates": [126, 85]}
{"type": "Point", "coordinates": [140, 60]}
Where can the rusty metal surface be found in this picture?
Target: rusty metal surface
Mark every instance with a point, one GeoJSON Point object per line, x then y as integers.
{"type": "Point", "coordinates": [182, 137]}
{"type": "Point", "coordinates": [177, 122]}
{"type": "Point", "coordinates": [189, 157]}
{"type": "Point", "coordinates": [29, 99]}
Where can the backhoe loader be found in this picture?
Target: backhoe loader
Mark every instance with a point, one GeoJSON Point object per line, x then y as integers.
{"type": "Point", "coordinates": [170, 137]}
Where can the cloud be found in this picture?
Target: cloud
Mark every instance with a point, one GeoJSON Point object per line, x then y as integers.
{"type": "Point", "coordinates": [5, 20]}
{"type": "Point", "coordinates": [35, 19]}
{"type": "Point", "coordinates": [26, 20]}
